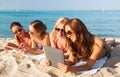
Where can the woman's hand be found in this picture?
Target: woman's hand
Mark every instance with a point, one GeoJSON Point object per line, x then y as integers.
{"type": "Point", "coordinates": [63, 67]}
{"type": "Point", "coordinates": [12, 45]}
{"type": "Point", "coordinates": [25, 47]}
{"type": "Point", "coordinates": [47, 62]}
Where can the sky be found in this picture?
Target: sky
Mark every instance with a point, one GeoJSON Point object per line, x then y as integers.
{"type": "Point", "coordinates": [59, 4]}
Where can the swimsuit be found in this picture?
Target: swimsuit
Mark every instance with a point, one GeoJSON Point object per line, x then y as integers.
{"type": "Point", "coordinates": [108, 55]}
{"type": "Point", "coordinates": [60, 48]}
{"type": "Point", "coordinates": [20, 40]}
{"type": "Point", "coordinates": [38, 47]}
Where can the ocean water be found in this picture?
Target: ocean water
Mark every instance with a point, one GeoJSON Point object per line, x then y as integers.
{"type": "Point", "coordinates": [101, 23]}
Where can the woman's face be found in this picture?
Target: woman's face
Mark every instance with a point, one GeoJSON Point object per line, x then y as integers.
{"type": "Point", "coordinates": [33, 32]}
{"type": "Point", "coordinates": [70, 34]}
{"type": "Point", "coordinates": [18, 31]}
{"type": "Point", "coordinates": [59, 30]}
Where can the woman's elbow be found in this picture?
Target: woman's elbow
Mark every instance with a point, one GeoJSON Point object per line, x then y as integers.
{"type": "Point", "coordinates": [89, 67]}
{"type": "Point", "coordinates": [90, 64]}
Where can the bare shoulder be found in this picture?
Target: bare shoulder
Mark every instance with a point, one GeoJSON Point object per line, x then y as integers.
{"type": "Point", "coordinates": [98, 39]}
{"type": "Point", "coordinates": [51, 35]}
{"type": "Point", "coordinates": [47, 39]}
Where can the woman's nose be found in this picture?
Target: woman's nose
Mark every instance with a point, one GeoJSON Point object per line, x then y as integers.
{"type": "Point", "coordinates": [68, 36]}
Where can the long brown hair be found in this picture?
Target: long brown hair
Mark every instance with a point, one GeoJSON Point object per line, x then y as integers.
{"type": "Point", "coordinates": [85, 40]}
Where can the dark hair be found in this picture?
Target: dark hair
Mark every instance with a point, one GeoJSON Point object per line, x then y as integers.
{"type": "Point", "coordinates": [39, 26]}
{"type": "Point", "coordinates": [15, 23]}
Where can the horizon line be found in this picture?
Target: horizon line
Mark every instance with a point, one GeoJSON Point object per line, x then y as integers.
{"type": "Point", "coordinates": [62, 10]}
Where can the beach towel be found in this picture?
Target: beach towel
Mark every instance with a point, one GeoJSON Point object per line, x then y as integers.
{"type": "Point", "coordinates": [95, 68]}
{"type": "Point", "coordinates": [38, 57]}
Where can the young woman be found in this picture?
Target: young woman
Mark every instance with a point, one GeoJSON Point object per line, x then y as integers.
{"type": "Point", "coordinates": [84, 46]}
{"type": "Point", "coordinates": [21, 36]}
{"type": "Point", "coordinates": [39, 37]}
{"type": "Point", "coordinates": [58, 39]}
{"type": "Point", "coordinates": [57, 36]}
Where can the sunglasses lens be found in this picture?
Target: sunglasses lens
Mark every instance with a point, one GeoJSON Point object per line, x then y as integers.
{"type": "Point", "coordinates": [58, 29]}
{"type": "Point", "coordinates": [69, 33]}
{"type": "Point", "coordinates": [30, 31]}
{"type": "Point", "coordinates": [19, 30]}
{"type": "Point", "coordinates": [15, 32]}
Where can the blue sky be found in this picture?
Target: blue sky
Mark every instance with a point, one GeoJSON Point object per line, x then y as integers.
{"type": "Point", "coordinates": [59, 4]}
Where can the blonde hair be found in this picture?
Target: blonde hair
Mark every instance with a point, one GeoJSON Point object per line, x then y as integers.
{"type": "Point", "coordinates": [61, 20]}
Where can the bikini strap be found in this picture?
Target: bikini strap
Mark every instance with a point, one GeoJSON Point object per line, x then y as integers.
{"type": "Point", "coordinates": [108, 55]}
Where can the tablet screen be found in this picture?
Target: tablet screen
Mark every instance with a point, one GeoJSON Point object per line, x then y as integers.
{"type": "Point", "coordinates": [54, 55]}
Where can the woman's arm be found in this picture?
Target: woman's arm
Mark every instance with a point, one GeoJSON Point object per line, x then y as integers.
{"type": "Point", "coordinates": [66, 68]}
{"type": "Point", "coordinates": [33, 50]}
{"type": "Point", "coordinates": [36, 52]}
{"type": "Point", "coordinates": [47, 40]}
{"type": "Point", "coordinates": [17, 40]}
{"type": "Point", "coordinates": [52, 40]}
{"type": "Point", "coordinates": [71, 59]}
{"type": "Point", "coordinates": [28, 49]}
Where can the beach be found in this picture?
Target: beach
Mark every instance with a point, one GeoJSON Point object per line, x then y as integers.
{"type": "Point", "coordinates": [13, 64]}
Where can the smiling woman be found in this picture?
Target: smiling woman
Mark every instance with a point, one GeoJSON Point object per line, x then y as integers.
{"type": "Point", "coordinates": [20, 35]}
{"type": "Point", "coordinates": [19, 30]}
{"type": "Point", "coordinates": [57, 37]}
{"type": "Point", "coordinates": [83, 46]}
{"type": "Point", "coordinates": [39, 36]}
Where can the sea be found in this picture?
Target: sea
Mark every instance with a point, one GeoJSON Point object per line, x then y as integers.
{"type": "Point", "coordinates": [102, 23]}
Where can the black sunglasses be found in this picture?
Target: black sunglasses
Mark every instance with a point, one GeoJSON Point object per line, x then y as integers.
{"type": "Point", "coordinates": [30, 32]}
{"type": "Point", "coordinates": [19, 30]}
{"type": "Point", "coordinates": [68, 33]}
{"type": "Point", "coordinates": [58, 29]}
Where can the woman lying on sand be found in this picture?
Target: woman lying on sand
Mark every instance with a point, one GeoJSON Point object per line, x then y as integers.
{"type": "Point", "coordinates": [57, 37]}
{"type": "Point", "coordinates": [20, 35]}
{"type": "Point", "coordinates": [39, 37]}
{"type": "Point", "coordinates": [83, 46]}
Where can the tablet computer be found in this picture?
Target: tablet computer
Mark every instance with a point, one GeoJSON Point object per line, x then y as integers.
{"type": "Point", "coordinates": [54, 55]}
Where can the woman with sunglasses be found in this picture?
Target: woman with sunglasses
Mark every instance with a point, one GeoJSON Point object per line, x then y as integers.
{"type": "Point", "coordinates": [57, 37]}
{"type": "Point", "coordinates": [21, 36]}
{"type": "Point", "coordinates": [39, 37]}
{"type": "Point", "coordinates": [84, 46]}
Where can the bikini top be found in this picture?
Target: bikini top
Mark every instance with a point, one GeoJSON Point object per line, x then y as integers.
{"type": "Point", "coordinates": [38, 47]}
{"type": "Point", "coordinates": [27, 37]}
{"type": "Point", "coordinates": [60, 48]}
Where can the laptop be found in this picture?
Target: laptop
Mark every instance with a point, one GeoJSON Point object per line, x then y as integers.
{"type": "Point", "coordinates": [54, 55]}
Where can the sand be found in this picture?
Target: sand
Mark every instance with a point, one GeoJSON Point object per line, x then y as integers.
{"type": "Point", "coordinates": [13, 64]}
